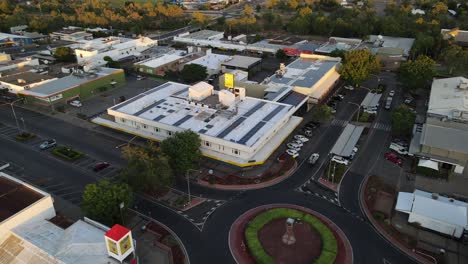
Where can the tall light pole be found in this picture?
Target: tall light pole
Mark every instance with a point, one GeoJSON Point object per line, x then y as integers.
{"type": "Point", "coordinates": [188, 183]}
{"type": "Point", "coordinates": [358, 110]}
{"type": "Point", "coordinates": [14, 113]}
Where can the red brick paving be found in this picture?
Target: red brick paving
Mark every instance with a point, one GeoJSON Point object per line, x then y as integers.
{"type": "Point", "coordinates": [241, 254]}
{"type": "Point", "coordinates": [306, 249]}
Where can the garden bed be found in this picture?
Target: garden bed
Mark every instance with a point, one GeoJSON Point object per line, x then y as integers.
{"type": "Point", "coordinates": [67, 153]}
{"type": "Point", "coordinates": [340, 169]}
{"type": "Point", "coordinates": [329, 247]}
{"type": "Point", "coordinates": [286, 165]}
{"type": "Point", "coordinates": [25, 136]}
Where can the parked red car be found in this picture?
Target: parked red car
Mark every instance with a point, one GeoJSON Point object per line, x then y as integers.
{"type": "Point", "coordinates": [390, 156]}
{"type": "Point", "coordinates": [100, 166]}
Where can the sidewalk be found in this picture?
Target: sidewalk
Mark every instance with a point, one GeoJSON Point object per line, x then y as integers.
{"type": "Point", "coordinates": [383, 233]}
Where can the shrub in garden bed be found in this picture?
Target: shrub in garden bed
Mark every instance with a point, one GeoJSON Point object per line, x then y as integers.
{"type": "Point", "coordinates": [25, 136]}
{"type": "Point", "coordinates": [67, 153]}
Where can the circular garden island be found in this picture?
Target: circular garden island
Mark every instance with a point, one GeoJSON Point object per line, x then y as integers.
{"type": "Point", "coordinates": [286, 234]}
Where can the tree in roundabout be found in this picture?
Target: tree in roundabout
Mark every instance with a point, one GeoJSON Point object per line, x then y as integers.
{"type": "Point", "coordinates": [287, 234]}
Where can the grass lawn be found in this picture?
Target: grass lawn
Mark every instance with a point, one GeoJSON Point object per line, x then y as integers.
{"type": "Point", "coordinates": [339, 169]}
{"type": "Point", "coordinates": [67, 153]}
{"type": "Point", "coordinates": [329, 243]}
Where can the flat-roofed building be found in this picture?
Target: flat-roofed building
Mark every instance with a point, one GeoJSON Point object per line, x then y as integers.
{"type": "Point", "coordinates": [243, 63]}
{"type": "Point", "coordinates": [392, 51]}
{"type": "Point", "coordinates": [94, 51]}
{"type": "Point", "coordinates": [211, 61]}
{"type": "Point", "coordinates": [443, 138]}
{"type": "Point", "coordinates": [340, 44]}
{"type": "Point", "coordinates": [24, 81]}
{"type": "Point", "coordinates": [236, 129]}
{"type": "Point", "coordinates": [29, 234]}
{"type": "Point", "coordinates": [170, 61]}
{"type": "Point", "coordinates": [73, 34]}
{"type": "Point", "coordinates": [311, 75]}
{"type": "Point", "coordinates": [78, 85]}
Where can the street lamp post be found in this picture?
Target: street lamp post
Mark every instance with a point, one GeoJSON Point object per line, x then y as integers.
{"type": "Point", "coordinates": [24, 124]}
{"type": "Point", "coordinates": [188, 184]}
{"type": "Point", "coordinates": [358, 110]}
{"type": "Point", "coordinates": [14, 113]}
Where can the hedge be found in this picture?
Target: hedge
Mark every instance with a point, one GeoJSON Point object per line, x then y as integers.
{"type": "Point", "coordinates": [59, 152]}
{"type": "Point", "coordinates": [25, 136]}
{"type": "Point", "coordinates": [329, 243]}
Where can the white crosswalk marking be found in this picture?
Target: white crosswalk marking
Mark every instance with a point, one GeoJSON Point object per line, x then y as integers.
{"type": "Point", "coordinates": [380, 126]}
{"type": "Point", "coordinates": [338, 122]}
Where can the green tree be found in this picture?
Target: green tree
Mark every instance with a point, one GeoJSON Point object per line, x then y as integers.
{"type": "Point", "coordinates": [6, 7]}
{"type": "Point", "coordinates": [416, 74]}
{"type": "Point", "coordinates": [402, 120]}
{"type": "Point", "coordinates": [65, 54]}
{"type": "Point", "coordinates": [322, 113]}
{"type": "Point", "coordinates": [183, 150]}
{"type": "Point", "coordinates": [281, 55]}
{"type": "Point", "coordinates": [338, 53]}
{"type": "Point", "coordinates": [358, 66]}
{"type": "Point", "coordinates": [424, 44]}
{"type": "Point", "coordinates": [111, 63]}
{"type": "Point", "coordinates": [101, 201]}
{"type": "Point", "coordinates": [193, 73]}
{"type": "Point", "coordinates": [455, 58]}
{"type": "Point", "coordinates": [148, 169]}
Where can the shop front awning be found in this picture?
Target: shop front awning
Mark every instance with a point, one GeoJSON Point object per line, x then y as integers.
{"type": "Point", "coordinates": [428, 164]}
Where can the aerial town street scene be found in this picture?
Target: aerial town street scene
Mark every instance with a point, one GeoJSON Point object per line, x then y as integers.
{"type": "Point", "coordinates": [233, 131]}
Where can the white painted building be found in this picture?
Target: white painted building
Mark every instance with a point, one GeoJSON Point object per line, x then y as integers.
{"type": "Point", "coordinates": [236, 129]}
{"type": "Point", "coordinates": [435, 212]}
{"type": "Point", "coordinates": [211, 61]}
{"type": "Point", "coordinates": [93, 52]}
{"type": "Point", "coordinates": [28, 236]}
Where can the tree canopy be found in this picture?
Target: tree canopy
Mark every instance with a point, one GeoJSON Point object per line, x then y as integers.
{"type": "Point", "coordinates": [148, 168]}
{"type": "Point", "coordinates": [193, 73]}
{"type": "Point", "coordinates": [101, 201]}
{"type": "Point", "coordinates": [183, 150]}
{"type": "Point", "coordinates": [417, 73]}
{"type": "Point", "coordinates": [65, 54]}
{"type": "Point", "coordinates": [322, 113]}
{"type": "Point", "coordinates": [358, 66]}
{"type": "Point", "coordinates": [456, 59]}
{"type": "Point", "coordinates": [402, 120]}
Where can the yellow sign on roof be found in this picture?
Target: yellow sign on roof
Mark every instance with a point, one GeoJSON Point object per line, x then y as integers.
{"type": "Point", "coordinates": [229, 80]}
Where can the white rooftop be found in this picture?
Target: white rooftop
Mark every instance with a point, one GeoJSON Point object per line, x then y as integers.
{"type": "Point", "coordinates": [243, 123]}
{"type": "Point", "coordinates": [204, 34]}
{"type": "Point", "coordinates": [442, 209]}
{"type": "Point", "coordinates": [163, 59]}
{"type": "Point", "coordinates": [446, 98]}
{"type": "Point", "coordinates": [241, 61]}
{"type": "Point", "coordinates": [81, 243]}
{"type": "Point", "coordinates": [210, 61]}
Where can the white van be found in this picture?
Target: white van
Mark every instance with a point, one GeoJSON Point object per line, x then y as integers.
{"type": "Point", "coordinates": [399, 149]}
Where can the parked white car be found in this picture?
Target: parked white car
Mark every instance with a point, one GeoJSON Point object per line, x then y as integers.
{"type": "Point", "coordinates": [297, 143]}
{"type": "Point", "coordinates": [399, 149]}
{"type": "Point", "coordinates": [76, 103]}
{"type": "Point", "coordinates": [340, 160]}
{"type": "Point", "coordinates": [293, 146]}
{"type": "Point", "coordinates": [391, 93]}
{"type": "Point", "coordinates": [349, 87]}
{"type": "Point", "coordinates": [313, 158]}
{"type": "Point", "coordinates": [293, 153]}
{"type": "Point", "coordinates": [301, 138]}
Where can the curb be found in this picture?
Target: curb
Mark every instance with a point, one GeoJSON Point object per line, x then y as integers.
{"type": "Point", "coordinates": [382, 232]}
{"type": "Point", "coordinates": [240, 252]}
{"type": "Point", "coordinates": [244, 187]}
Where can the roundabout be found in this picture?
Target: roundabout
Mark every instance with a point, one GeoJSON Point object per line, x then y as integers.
{"type": "Point", "coordinates": [285, 233]}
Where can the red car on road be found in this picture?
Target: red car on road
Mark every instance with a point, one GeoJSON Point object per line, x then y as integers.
{"type": "Point", "coordinates": [100, 166]}
{"type": "Point", "coordinates": [393, 158]}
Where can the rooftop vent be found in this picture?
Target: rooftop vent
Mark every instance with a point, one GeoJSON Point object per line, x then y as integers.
{"type": "Point", "coordinates": [435, 196]}
{"type": "Point", "coordinates": [463, 84]}
{"type": "Point", "coordinates": [451, 200]}
{"type": "Point", "coordinates": [21, 81]}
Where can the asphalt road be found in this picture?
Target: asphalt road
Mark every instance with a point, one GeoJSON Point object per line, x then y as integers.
{"type": "Point", "coordinates": [210, 244]}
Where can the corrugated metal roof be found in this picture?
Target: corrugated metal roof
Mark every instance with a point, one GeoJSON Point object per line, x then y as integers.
{"type": "Point", "coordinates": [347, 141]}
{"type": "Point", "coordinates": [445, 138]}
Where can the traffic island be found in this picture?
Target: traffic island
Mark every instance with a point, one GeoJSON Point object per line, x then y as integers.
{"type": "Point", "coordinates": [283, 233]}
{"type": "Point", "coordinates": [67, 153]}
{"type": "Point", "coordinates": [24, 136]}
